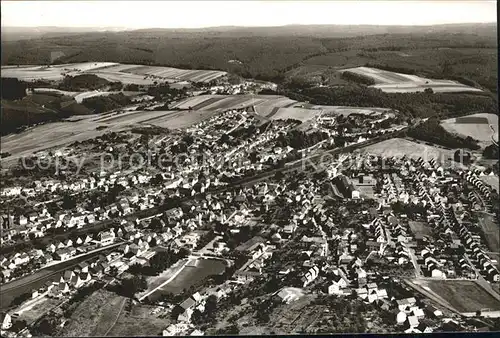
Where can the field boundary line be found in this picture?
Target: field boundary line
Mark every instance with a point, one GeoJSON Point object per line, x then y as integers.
{"type": "Point", "coordinates": [166, 282]}
{"type": "Point", "coordinates": [124, 300]}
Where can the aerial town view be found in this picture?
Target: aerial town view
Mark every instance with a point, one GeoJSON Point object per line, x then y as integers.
{"type": "Point", "coordinates": [296, 171]}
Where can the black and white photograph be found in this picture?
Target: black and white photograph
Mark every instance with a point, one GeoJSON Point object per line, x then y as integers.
{"type": "Point", "coordinates": [254, 168]}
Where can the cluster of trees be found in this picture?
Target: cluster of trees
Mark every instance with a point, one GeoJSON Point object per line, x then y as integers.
{"type": "Point", "coordinates": [165, 91]}
{"type": "Point", "coordinates": [208, 315]}
{"type": "Point", "coordinates": [432, 131]}
{"type": "Point", "coordinates": [130, 286]}
{"type": "Point", "coordinates": [104, 103]}
{"type": "Point", "coordinates": [12, 88]}
{"type": "Point", "coordinates": [48, 326]}
{"type": "Point", "coordinates": [300, 140]}
{"type": "Point", "coordinates": [358, 78]}
{"type": "Point", "coordinates": [347, 315]}
{"type": "Point", "coordinates": [83, 81]}
{"type": "Point", "coordinates": [491, 152]}
{"type": "Point", "coordinates": [245, 234]}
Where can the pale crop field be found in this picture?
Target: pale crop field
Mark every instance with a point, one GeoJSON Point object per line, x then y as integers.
{"type": "Point", "coordinates": [85, 66]}
{"type": "Point", "coordinates": [192, 101]}
{"type": "Point", "coordinates": [391, 82]}
{"type": "Point", "coordinates": [125, 78]}
{"type": "Point", "coordinates": [33, 73]}
{"type": "Point", "coordinates": [399, 147]}
{"type": "Point", "coordinates": [111, 71]}
{"type": "Point", "coordinates": [301, 114]}
{"type": "Point", "coordinates": [481, 127]}
{"type": "Point", "coordinates": [346, 111]}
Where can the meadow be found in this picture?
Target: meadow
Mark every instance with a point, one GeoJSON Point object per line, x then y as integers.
{"type": "Point", "coordinates": [463, 295]}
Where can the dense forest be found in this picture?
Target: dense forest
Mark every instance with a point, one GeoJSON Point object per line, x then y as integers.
{"type": "Point", "coordinates": [101, 104]}
{"type": "Point", "coordinates": [358, 78]}
{"type": "Point", "coordinates": [491, 152]}
{"type": "Point", "coordinates": [12, 89]}
{"type": "Point", "coordinates": [277, 53]}
{"type": "Point", "coordinates": [83, 82]}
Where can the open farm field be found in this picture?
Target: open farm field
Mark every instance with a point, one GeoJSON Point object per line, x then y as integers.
{"type": "Point", "coordinates": [346, 111]}
{"type": "Point", "coordinates": [192, 101]}
{"type": "Point", "coordinates": [300, 114]}
{"type": "Point", "coordinates": [463, 295]}
{"type": "Point", "coordinates": [482, 127]}
{"type": "Point", "coordinates": [479, 65]}
{"type": "Point", "coordinates": [78, 96]}
{"type": "Point", "coordinates": [111, 71]}
{"type": "Point", "coordinates": [173, 73]}
{"type": "Point", "coordinates": [95, 315]}
{"type": "Point", "coordinates": [51, 135]}
{"type": "Point", "coordinates": [134, 117]}
{"type": "Point", "coordinates": [52, 73]}
{"type": "Point", "coordinates": [264, 104]}
{"type": "Point", "coordinates": [33, 73]}
{"type": "Point", "coordinates": [84, 66]}
{"type": "Point", "coordinates": [58, 134]}
{"type": "Point", "coordinates": [398, 147]}
{"type": "Point", "coordinates": [181, 119]}
{"type": "Point", "coordinates": [437, 87]}
{"type": "Point", "coordinates": [392, 82]}
{"type": "Point", "coordinates": [125, 78]}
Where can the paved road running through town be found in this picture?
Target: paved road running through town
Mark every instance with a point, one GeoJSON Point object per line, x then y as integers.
{"type": "Point", "coordinates": [11, 290]}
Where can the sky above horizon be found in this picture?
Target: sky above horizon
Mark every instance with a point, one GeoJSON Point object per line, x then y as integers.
{"type": "Point", "coordinates": [197, 14]}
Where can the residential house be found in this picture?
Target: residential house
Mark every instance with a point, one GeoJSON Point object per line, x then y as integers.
{"type": "Point", "coordinates": [6, 321]}
{"type": "Point", "coordinates": [310, 276]}
{"type": "Point", "coordinates": [106, 237]}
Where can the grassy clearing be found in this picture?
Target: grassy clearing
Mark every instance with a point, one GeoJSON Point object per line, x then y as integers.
{"type": "Point", "coordinates": [95, 315]}
{"type": "Point", "coordinates": [295, 113]}
{"type": "Point", "coordinates": [491, 231]}
{"type": "Point", "coordinates": [463, 295]}
{"type": "Point", "coordinates": [139, 322]}
{"type": "Point", "coordinates": [39, 309]}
